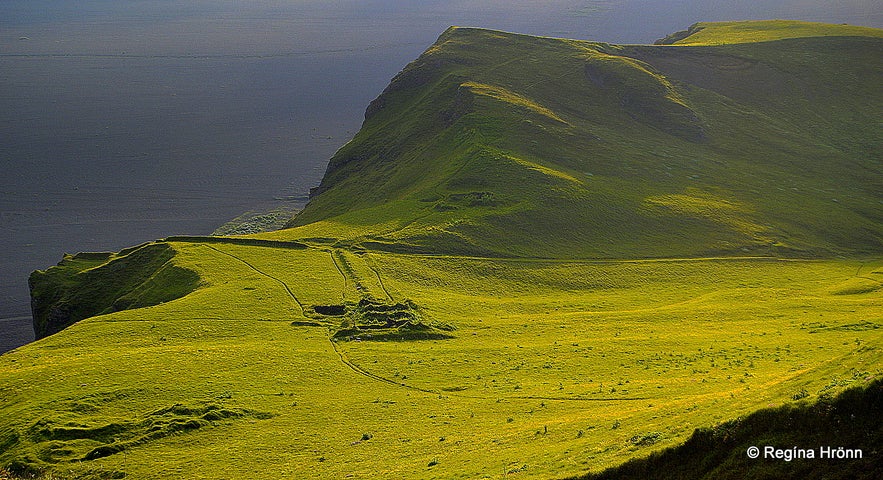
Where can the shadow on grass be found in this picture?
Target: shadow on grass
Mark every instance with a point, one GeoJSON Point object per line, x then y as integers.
{"type": "Point", "coordinates": [853, 420]}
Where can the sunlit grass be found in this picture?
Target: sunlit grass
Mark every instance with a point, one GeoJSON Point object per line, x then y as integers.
{"type": "Point", "coordinates": [555, 365]}
{"type": "Point", "coordinates": [719, 33]}
{"type": "Point", "coordinates": [588, 233]}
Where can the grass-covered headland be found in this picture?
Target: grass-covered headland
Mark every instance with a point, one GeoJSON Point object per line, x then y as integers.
{"type": "Point", "coordinates": [539, 258]}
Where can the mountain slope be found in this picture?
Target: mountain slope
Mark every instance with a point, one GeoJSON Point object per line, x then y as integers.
{"type": "Point", "coordinates": [328, 357]}
{"type": "Point", "coordinates": [494, 143]}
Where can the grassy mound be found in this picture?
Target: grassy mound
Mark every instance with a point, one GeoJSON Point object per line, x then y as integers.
{"type": "Point", "coordinates": [85, 285]}
{"type": "Point", "coordinates": [374, 320]}
{"type": "Point", "coordinates": [54, 441]}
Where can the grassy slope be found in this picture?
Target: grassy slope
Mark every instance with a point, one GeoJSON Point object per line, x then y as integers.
{"type": "Point", "coordinates": [853, 419]}
{"type": "Point", "coordinates": [558, 366]}
{"type": "Point", "coordinates": [593, 150]}
{"type": "Point", "coordinates": [719, 33]}
{"type": "Point", "coordinates": [555, 366]}
{"type": "Point", "coordinates": [85, 285]}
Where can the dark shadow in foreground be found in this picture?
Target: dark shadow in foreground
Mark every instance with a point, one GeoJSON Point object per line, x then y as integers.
{"type": "Point", "coordinates": [853, 420]}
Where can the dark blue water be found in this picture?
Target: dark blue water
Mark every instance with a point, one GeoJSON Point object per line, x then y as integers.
{"type": "Point", "coordinates": [125, 121]}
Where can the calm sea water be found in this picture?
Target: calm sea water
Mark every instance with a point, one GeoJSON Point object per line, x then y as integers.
{"type": "Point", "coordinates": [122, 121]}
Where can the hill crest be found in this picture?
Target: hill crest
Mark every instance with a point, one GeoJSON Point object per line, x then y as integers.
{"type": "Point", "coordinates": [720, 33]}
{"type": "Point", "coordinates": [494, 143]}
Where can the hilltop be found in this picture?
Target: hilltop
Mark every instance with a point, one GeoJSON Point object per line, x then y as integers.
{"type": "Point", "coordinates": [538, 258]}
{"type": "Point", "coordinates": [495, 143]}
{"type": "Point", "coordinates": [722, 33]}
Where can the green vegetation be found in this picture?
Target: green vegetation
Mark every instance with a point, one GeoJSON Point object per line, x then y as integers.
{"type": "Point", "coordinates": [89, 284]}
{"type": "Point", "coordinates": [256, 222]}
{"type": "Point", "coordinates": [497, 144]}
{"type": "Point", "coordinates": [719, 33]}
{"type": "Point", "coordinates": [373, 320]}
{"type": "Point", "coordinates": [555, 366]}
{"type": "Point", "coordinates": [538, 258]}
{"type": "Point", "coordinates": [853, 419]}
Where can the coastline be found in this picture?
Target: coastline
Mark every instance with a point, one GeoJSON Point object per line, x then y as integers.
{"type": "Point", "coordinates": [16, 324]}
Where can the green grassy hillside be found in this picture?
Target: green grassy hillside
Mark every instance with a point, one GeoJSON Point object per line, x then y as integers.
{"type": "Point", "coordinates": [719, 33]}
{"type": "Point", "coordinates": [539, 258]}
{"type": "Point", "coordinates": [853, 418]}
{"type": "Point", "coordinates": [89, 284]}
{"type": "Point", "coordinates": [552, 367]}
{"type": "Point", "coordinates": [496, 144]}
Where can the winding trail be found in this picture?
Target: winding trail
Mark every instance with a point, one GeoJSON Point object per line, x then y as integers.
{"type": "Point", "coordinates": [340, 354]}
{"type": "Point", "coordinates": [373, 376]}
{"type": "Point", "coordinates": [858, 274]}
{"type": "Point", "coordinates": [261, 272]}
{"type": "Point", "coordinates": [370, 264]}
{"type": "Point", "coordinates": [340, 271]}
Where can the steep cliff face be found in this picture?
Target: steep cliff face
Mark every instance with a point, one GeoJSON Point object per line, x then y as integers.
{"type": "Point", "coordinates": [89, 284]}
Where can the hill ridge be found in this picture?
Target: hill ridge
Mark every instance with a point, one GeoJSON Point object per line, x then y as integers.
{"type": "Point", "coordinates": [494, 142]}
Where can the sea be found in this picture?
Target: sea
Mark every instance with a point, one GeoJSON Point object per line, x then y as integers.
{"type": "Point", "coordinates": [124, 121]}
